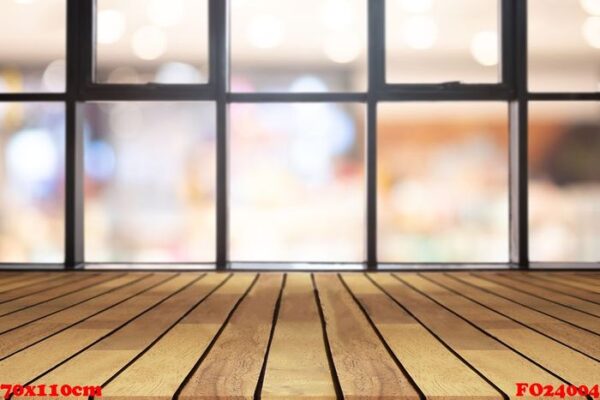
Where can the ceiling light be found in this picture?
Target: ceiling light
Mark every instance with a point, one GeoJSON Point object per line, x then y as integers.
{"type": "Point", "coordinates": [342, 48]}
{"type": "Point", "coordinates": [591, 6]}
{"type": "Point", "coordinates": [420, 32]}
{"type": "Point", "coordinates": [484, 48]}
{"type": "Point", "coordinates": [149, 43]}
{"type": "Point", "coordinates": [338, 15]}
{"type": "Point", "coordinates": [591, 31]}
{"type": "Point", "coordinates": [165, 13]}
{"type": "Point", "coordinates": [416, 6]}
{"type": "Point", "coordinates": [111, 26]}
{"type": "Point", "coordinates": [266, 32]}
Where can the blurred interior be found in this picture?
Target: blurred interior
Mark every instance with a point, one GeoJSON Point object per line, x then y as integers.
{"type": "Point", "coordinates": [297, 171]}
{"type": "Point", "coordinates": [443, 182]}
{"type": "Point", "coordinates": [297, 182]}
{"type": "Point", "coordinates": [150, 181]}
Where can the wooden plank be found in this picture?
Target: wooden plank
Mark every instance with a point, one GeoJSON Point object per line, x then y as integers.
{"type": "Point", "coordinates": [177, 352]}
{"type": "Point", "coordinates": [100, 362]}
{"type": "Point", "coordinates": [492, 358]}
{"type": "Point", "coordinates": [79, 282]}
{"type": "Point", "coordinates": [532, 279]}
{"type": "Point", "coordinates": [297, 364]}
{"type": "Point", "coordinates": [28, 315]}
{"type": "Point", "coordinates": [584, 341]}
{"type": "Point", "coordinates": [580, 276]}
{"type": "Point", "coordinates": [591, 287]}
{"type": "Point", "coordinates": [583, 277]}
{"type": "Point", "coordinates": [232, 367]}
{"type": "Point", "coordinates": [364, 367]}
{"type": "Point", "coordinates": [526, 287]}
{"type": "Point", "coordinates": [438, 372]}
{"type": "Point", "coordinates": [23, 287]}
{"type": "Point", "coordinates": [588, 275]}
{"type": "Point", "coordinates": [27, 365]}
{"type": "Point", "coordinates": [39, 289]}
{"type": "Point", "coordinates": [571, 366]}
{"type": "Point", "coordinates": [578, 318]}
{"type": "Point", "coordinates": [16, 277]}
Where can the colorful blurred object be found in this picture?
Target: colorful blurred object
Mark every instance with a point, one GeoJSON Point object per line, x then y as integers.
{"type": "Point", "coordinates": [297, 182]}
{"type": "Point", "coordinates": [443, 187]}
{"type": "Point", "coordinates": [150, 182]}
{"type": "Point", "coordinates": [564, 186]}
{"type": "Point", "coordinates": [31, 182]}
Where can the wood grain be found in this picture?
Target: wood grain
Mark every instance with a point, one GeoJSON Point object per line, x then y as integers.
{"type": "Point", "coordinates": [29, 326]}
{"type": "Point", "coordinates": [534, 279]}
{"type": "Point", "coordinates": [7, 278]}
{"type": "Point", "coordinates": [573, 367]}
{"type": "Point", "coordinates": [582, 340]}
{"type": "Point", "coordinates": [512, 281]}
{"type": "Point", "coordinates": [28, 364]}
{"type": "Point", "coordinates": [21, 288]}
{"type": "Point", "coordinates": [81, 282]}
{"type": "Point", "coordinates": [588, 286]}
{"type": "Point", "coordinates": [567, 314]}
{"type": "Point", "coordinates": [162, 369]}
{"type": "Point", "coordinates": [452, 335]}
{"type": "Point", "coordinates": [100, 362]}
{"type": "Point", "coordinates": [297, 364]}
{"type": "Point", "coordinates": [493, 359]}
{"type": "Point", "coordinates": [438, 373]}
{"type": "Point", "coordinates": [232, 368]}
{"type": "Point", "coordinates": [583, 277]}
{"type": "Point", "coordinates": [364, 367]}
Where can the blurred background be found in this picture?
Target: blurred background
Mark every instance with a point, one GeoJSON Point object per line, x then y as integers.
{"type": "Point", "coordinates": [298, 170]}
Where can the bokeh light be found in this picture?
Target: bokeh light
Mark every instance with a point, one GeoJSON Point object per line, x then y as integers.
{"type": "Point", "coordinates": [484, 47]}
{"type": "Point", "coordinates": [111, 26]}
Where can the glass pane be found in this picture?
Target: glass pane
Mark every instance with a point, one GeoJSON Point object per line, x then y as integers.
{"type": "Point", "coordinates": [32, 182]}
{"type": "Point", "coordinates": [150, 182]}
{"type": "Point", "coordinates": [434, 41]}
{"type": "Point", "coordinates": [564, 186]}
{"type": "Point", "coordinates": [32, 46]}
{"type": "Point", "coordinates": [159, 41]}
{"type": "Point", "coordinates": [297, 182]}
{"type": "Point", "coordinates": [443, 182]}
{"type": "Point", "coordinates": [298, 46]}
{"type": "Point", "coordinates": [564, 45]}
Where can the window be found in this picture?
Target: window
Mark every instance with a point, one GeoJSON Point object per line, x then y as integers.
{"type": "Point", "coordinates": [165, 44]}
{"type": "Point", "coordinates": [461, 156]}
{"type": "Point", "coordinates": [282, 46]}
{"type": "Point", "coordinates": [32, 177]}
{"type": "Point", "coordinates": [150, 182]}
{"type": "Point", "coordinates": [431, 41]}
{"type": "Point", "coordinates": [297, 182]}
{"type": "Point", "coordinates": [32, 46]}
{"type": "Point", "coordinates": [320, 133]}
{"type": "Point", "coordinates": [564, 186]}
{"type": "Point", "coordinates": [565, 59]}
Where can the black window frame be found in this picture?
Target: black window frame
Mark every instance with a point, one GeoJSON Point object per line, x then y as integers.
{"type": "Point", "coordinates": [511, 89]}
